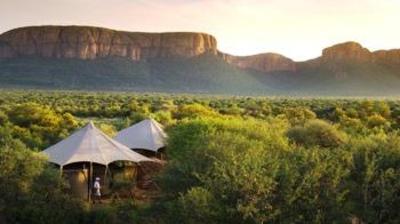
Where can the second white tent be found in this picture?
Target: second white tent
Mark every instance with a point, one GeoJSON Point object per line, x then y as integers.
{"type": "Point", "coordinates": [147, 134]}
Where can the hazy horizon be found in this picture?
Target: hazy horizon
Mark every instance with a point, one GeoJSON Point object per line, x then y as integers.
{"type": "Point", "coordinates": [298, 29]}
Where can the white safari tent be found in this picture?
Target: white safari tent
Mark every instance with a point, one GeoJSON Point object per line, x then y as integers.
{"type": "Point", "coordinates": [90, 145]}
{"type": "Point", "coordinates": [147, 134]}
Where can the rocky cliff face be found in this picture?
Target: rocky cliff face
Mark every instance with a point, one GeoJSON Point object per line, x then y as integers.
{"type": "Point", "coordinates": [334, 58]}
{"type": "Point", "coordinates": [387, 56]}
{"type": "Point", "coordinates": [339, 58]}
{"type": "Point", "coordinates": [92, 42]}
{"type": "Point", "coordinates": [268, 62]}
{"type": "Point", "coordinates": [354, 52]}
{"type": "Point", "coordinates": [349, 51]}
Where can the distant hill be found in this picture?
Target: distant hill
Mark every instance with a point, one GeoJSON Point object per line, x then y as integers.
{"type": "Point", "coordinates": [91, 58]}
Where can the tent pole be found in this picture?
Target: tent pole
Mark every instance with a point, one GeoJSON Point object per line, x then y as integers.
{"type": "Point", "coordinates": [61, 171]}
{"type": "Point", "coordinates": [105, 175]}
{"type": "Point", "coordinates": [61, 175]}
{"type": "Point", "coordinates": [90, 182]}
{"type": "Point", "coordinates": [105, 172]}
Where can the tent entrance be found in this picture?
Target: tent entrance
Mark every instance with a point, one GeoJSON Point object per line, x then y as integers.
{"type": "Point", "coordinates": [116, 177]}
{"type": "Point", "coordinates": [80, 178]}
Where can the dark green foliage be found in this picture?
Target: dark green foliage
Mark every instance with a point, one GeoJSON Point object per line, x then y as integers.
{"type": "Point", "coordinates": [197, 75]}
{"type": "Point", "coordinates": [202, 74]}
{"type": "Point", "coordinates": [37, 125]}
{"type": "Point", "coordinates": [375, 184]}
{"type": "Point", "coordinates": [230, 159]}
{"type": "Point", "coordinates": [116, 213]}
{"type": "Point", "coordinates": [246, 173]}
{"type": "Point", "coordinates": [31, 192]}
{"type": "Point", "coordinates": [317, 133]}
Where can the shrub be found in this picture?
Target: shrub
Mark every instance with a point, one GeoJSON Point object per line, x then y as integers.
{"type": "Point", "coordinates": [298, 116]}
{"type": "Point", "coordinates": [30, 191]}
{"type": "Point", "coordinates": [242, 171]}
{"type": "Point", "coordinates": [194, 111]}
{"type": "Point", "coordinates": [317, 133]}
{"type": "Point", "coordinates": [377, 121]}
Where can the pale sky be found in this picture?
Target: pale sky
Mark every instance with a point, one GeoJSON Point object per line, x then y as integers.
{"type": "Point", "coordinates": [298, 29]}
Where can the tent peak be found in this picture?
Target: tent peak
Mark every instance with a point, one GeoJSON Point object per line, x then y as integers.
{"type": "Point", "coordinates": [147, 134]}
{"type": "Point", "coordinates": [90, 125]}
{"type": "Point", "coordinates": [90, 144]}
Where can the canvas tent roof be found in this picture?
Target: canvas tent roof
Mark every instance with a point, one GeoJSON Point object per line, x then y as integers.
{"type": "Point", "coordinates": [91, 145]}
{"type": "Point", "coordinates": [147, 134]}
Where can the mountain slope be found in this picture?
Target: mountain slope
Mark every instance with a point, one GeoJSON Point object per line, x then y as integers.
{"type": "Point", "coordinates": [202, 74]}
{"type": "Point", "coordinates": [91, 58]}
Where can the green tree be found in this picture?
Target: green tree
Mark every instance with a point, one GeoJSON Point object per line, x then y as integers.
{"type": "Point", "coordinates": [30, 191]}
{"type": "Point", "coordinates": [195, 111]}
{"type": "Point", "coordinates": [317, 133]}
{"type": "Point", "coordinates": [245, 172]}
{"type": "Point", "coordinates": [298, 116]}
{"type": "Point", "coordinates": [374, 184]}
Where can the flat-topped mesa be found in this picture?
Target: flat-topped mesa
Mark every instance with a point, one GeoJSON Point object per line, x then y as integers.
{"type": "Point", "coordinates": [268, 62]}
{"type": "Point", "coordinates": [93, 42]}
{"type": "Point", "coordinates": [82, 42]}
{"type": "Point", "coordinates": [387, 56]}
{"type": "Point", "coordinates": [346, 52]}
{"type": "Point", "coordinates": [354, 52]}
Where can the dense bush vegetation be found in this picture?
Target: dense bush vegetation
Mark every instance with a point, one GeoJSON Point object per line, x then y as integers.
{"type": "Point", "coordinates": [231, 159]}
{"type": "Point", "coordinates": [31, 191]}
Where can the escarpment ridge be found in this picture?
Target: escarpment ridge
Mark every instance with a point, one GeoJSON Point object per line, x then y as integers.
{"type": "Point", "coordinates": [84, 42]}
{"type": "Point", "coordinates": [84, 57]}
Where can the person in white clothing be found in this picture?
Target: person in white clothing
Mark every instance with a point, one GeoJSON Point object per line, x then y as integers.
{"type": "Point", "coordinates": [97, 190]}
